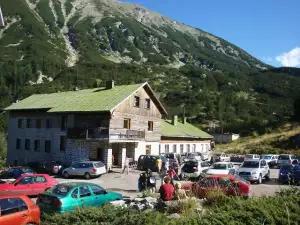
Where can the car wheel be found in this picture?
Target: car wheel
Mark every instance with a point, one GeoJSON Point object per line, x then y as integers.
{"type": "Point", "coordinates": [259, 181]}
{"type": "Point", "coordinates": [268, 175]}
{"type": "Point", "coordinates": [87, 176]}
{"type": "Point", "coordinates": [66, 175]}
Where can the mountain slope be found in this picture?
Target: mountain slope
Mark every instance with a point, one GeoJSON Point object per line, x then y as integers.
{"type": "Point", "coordinates": [52, 45]}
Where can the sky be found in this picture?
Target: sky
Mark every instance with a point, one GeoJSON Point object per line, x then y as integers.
{"type": "Point", "coordinates": [267, 29]}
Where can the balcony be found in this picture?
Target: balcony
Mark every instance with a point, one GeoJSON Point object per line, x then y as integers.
{"type": "Point", "coordinates": [104, 134]}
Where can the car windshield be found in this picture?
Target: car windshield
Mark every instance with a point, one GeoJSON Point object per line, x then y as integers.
{"type": "Point", "coordinates": [218, 154]}
{"type": "Point", "coordinates": [249, 156]}
{"type": "Point", "coordinates": [250, 164]}
{"type": "Point", "coordinates": [284, 157]}
{"type": "Point", "coordinates": [60, 189]}
{"type": "Point", "coordinates": [267, 157]}
{"type": "Point", "coordinates": [219, 166]}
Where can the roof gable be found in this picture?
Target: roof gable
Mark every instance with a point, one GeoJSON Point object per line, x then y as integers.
{"type": "Point", "coordinates": [88, 100]}
{"type": "Point", "coordinates": [182, 130]}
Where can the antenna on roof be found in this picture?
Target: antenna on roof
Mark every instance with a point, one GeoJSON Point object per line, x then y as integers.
{"type": "Point", "coordinates": [2, 24]}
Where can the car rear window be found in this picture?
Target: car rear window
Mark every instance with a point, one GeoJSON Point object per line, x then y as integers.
{"type": "Point", "coordinates": [220, 166]}
{"type": "Point", "coordinates": [267, 157]}
{"type": "Point", "coordinates": [287, 167]}
{"type": "Point", "coordinates": [60, 189]}
{"type": "Point", "coordinates": [98, 164]}
{"type": "Point", "coordinates": [284, 157]}
{"type": "Point", "coordinates": [249, 156]}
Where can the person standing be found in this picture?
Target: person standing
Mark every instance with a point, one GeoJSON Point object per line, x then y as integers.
{"type": "Point", "coordinates": [166, 190]}
{"type": "Point", "coordinates": [126, 165]}
{"type": "Point", "coordinates": [163, 173]}
{"type": "Point", "coordinates": [172, 174]}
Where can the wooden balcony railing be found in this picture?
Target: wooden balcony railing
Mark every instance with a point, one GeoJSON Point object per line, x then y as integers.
{"type": "Point", "coordinates": [105, 134]}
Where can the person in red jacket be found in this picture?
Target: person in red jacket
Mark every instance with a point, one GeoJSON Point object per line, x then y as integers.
{"type": "Point", "coordinates": [166, 190]}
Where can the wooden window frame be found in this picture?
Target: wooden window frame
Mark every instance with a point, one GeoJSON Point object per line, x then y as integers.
{"type": "Point", "coordinates": [37, 145]}
{"type": "Point", "coordinates": [20, 123]}
{"type": "Point", "coordinates": [147, 103]}
{"type": "Point", "coordinates": [127, 121]}
{"type": "Point", "coordinates": [28, 123]}
{"type": "Point", "coordinates": [150, 125]}
{"type": "Point", "coordinates": [63, 143]}
{"type": "Point", "coordinates": [137, 101]}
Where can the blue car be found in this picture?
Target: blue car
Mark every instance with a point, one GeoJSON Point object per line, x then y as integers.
{"type": "Point", "coordinates": [15, 173]}
{"type": "Point", "coordinates": [289, 173]}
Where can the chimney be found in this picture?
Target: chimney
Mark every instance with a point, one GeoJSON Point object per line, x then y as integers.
{"type": "Point", "coordinates": [175, 120]}
{"type": "Point", "coordinates": [184, 120]}
{"type": "Point", "coordinates": [110, 84]}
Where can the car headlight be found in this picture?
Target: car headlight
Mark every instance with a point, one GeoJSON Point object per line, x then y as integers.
{"type": "Point", "coordinates": [254, 172]}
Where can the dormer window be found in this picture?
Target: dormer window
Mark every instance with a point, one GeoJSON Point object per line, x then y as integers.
{"type": "Point", "coordinates": [147, 103]}
{"type": "Point", "coordinates": [136, 101]}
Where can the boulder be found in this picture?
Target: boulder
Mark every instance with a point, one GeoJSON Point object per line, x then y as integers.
{"type": "Point", "coordinates": [119, 203]}
{"type": "Point", "coordinates": [174, 216]}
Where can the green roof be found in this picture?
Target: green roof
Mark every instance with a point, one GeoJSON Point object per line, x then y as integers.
{"type": "Point", "coordinates": [88, 100]}
{"type": "Point", "coordinates": [186, 130]}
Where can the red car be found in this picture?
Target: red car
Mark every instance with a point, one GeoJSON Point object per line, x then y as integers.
{"type": "Point", "coordinates": [29, 184]}
{"type": "Point", "coordinates": [18, 210]}
{"type": "Point", "coordinates": [231, 185]}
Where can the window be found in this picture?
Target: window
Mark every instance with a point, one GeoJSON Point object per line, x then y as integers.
{"type": "Point", "coordinates": [64, 122]}
{"type": "Point", "coordinates": [150, 125]}
{"type": "Point", "coordinates": [37, 145]}
{"type": "Point", "coordinates": [159, 149]}
{"type": "Point", "coordinates": [148, 149]}
{"type": "Point", "coordinates": [181, 148]}
{"type": "Point", "coordinates": [75, 193]}
{"type": "Point", "coordinates": [48, 146]}
{"type": "Point", "coordinates": [147, 103]}
{"type": "Point", "coordinates": [12, 205]}
{"type": "Point", "coordinates": [28, 123]}
{"type": "Point", "coordinates": [194, 148]}
{"type": "Point", "coordinates": [20, 121]}
{"type": "Point", "coordinates": [38, 123]}
{"type": "Point", "coordinates": [27, 144]}
{"type": "Point", "coordinates": [48, 123]}
{"type": "Point", "coordinates": [174, 148]}
{"type": "Point", "coordinates": [188, 147]}
{"type": "Point", "coordinates": [40, 179]}
{"type": "Point", "coordinates": [97, 190]}
{"type": "Point", "coordinates": [208, 182]}
{"type": "Point", "coordinates": [84, 191]}
{"type": "Point", "coordinates": [126, 124]}
{"type": "Point", "coordinates": [136, 101]}
{"type": "Point", "coordinates": [18, 143]}
{"type": "Point", "coordinates": [63, 142]}
{"type": "Point", "coordinates": [26, 180]}
{"type": "Point", "coordinates": [166, 148]}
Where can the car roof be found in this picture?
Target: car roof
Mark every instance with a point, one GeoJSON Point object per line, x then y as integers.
{"type": "Point", "coordinates": [35, 174]}
{"type": "Point", "coordinates": [222, 163]}
{"type": "Point", "coordinates": [7, 194]}
{"type": "Point", "coordinates": [230, 176]}
{"type": "Point", "coordinates": [75, 184]}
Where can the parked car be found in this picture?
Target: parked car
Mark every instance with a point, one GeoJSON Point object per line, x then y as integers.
{"type": "Point", "coordinates": [193, 156]}
{"type": "Point", "coordinates": [18, 210]}
{"type": "Point", "coordinates": [221, 157]}
{"type": "Point", "coordinates": [236, 158]}
{"type": "Point", "coordinates": [221, 168]}
{"type": "Point", "coordinates": [289, 173]}
{"type": "Point", "coordinates": [16, 172]}
{"type": "Point", "coordinates": [271, 160]}
{"type": "Point", "coordinates": [87, 169]}
{"type": "Point", "coordinates": [52, 167]}
{"type": "Point", "coordinates": [29, 184]}
{"type": "Point", "coordinates": [150, 162]}
{"type": "Point", "coordinates": [193, 168]}
{"type": "Point", "coordinates": [68, 196]}
{"type": "Point", "coordinates": [171, 157]}
{"type": "Point", "coordinates": [254, 170]}
{"type": "Point", "coordinates": [287, 159]}
{"type": "Point", "coordinates": [231, 185]}
{"type": "Point", "coordinates": [251, 157]}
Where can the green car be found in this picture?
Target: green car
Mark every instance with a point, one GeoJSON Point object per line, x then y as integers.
{"type": "Point", "coordinates": [66, 197]}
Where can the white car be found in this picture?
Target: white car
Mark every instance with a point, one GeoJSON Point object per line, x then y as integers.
{"type": "Point", "coordinates": [221, 168]}
{"type": "Point", "coordinates": [193, 168]}
{"type": "Point", "coordinates": [271, 160]}
{"type": "Point", "coordinates": [86, 169]}
{"type": "Point", "coordinates": [251, 157]}
{"type": "Point", "coordinates": [254, 170]}
{"type": "Point", "coordinates": [221, 157]}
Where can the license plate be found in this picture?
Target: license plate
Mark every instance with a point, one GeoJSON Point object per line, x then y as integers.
{"type": "Point", "coordinates": [46, 201]}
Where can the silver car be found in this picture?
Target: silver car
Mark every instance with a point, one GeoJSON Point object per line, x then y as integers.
{"type": "Point", "coordinates": [254, 170]}
{"type": "Point", "coordinates": [286, 159]}
{"type": "Point", "coordinates": [86, 169]}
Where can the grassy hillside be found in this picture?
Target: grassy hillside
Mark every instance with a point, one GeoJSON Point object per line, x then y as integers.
{"type": "Point", "coordinates": [282, 140]}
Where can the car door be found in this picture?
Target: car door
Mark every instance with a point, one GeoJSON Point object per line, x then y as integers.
{"type": "Point", "coordinates": [100, 195]}
{"type": "Point", "coordinates": [39, 184]}
{"type": "Point", "coordinates": [13, 211]}
{"type": "Point", "coordinates": [23, 185]}
{"type": "Point", "coordinates": [296, 173]}
{"type": "Point", "coordinates": [226, 186]}
{"type": "Point", "coordinates": [264, 167]}
{"type": "Point", "coordinates": [73, 170]}
{"type": "Point", "coordinates": [231, 168]}
{"type": "Point", "coordinates": [85, 196]}
{"type": "Point", "coordinates": [203, 187]}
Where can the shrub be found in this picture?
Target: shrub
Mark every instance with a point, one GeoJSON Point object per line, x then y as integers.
{"type": "Point", "coordinates": [216, 197]}
{"type": "Point", "coordinates": [184, 207]}
{"type": "Point", "coordinates": [148, 193]}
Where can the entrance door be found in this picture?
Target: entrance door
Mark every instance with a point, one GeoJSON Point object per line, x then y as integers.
{"type": "Point", "coordinates": [100, 154]}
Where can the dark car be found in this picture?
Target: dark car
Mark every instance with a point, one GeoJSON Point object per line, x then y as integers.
{"type": "Point", "coordinates": [15, 173]}
{"type": "Point", "coordinates": [289, 173]}
{"type": "Point", "coordinates": [53, 167]}
{"type": "Point", "coordinates": [150, 162]}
